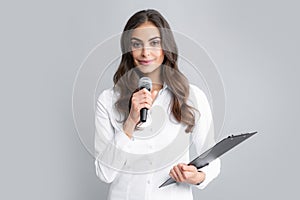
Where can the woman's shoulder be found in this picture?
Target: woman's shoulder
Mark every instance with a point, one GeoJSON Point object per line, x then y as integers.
{"type": "Point", "coordinates": [195, 90]}
{"type": "Point", "coordinates": [199, 99]}
{"type": "Point", "coordinates": [107, 95]}
{"type": "Point", "coordinates": [106, 92]}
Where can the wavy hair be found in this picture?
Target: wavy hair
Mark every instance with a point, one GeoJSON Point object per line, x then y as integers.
{"type": "Point", "coordinates": [127, 76]}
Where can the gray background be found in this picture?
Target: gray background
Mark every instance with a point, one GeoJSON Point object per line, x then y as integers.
{"type": "Point", "coordinates": [253, 43]}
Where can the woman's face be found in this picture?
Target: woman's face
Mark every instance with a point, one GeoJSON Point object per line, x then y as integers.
{"type": "Point", "coordinates": [146, 48]}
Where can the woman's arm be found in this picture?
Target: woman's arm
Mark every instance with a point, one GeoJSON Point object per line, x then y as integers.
{"type": "Point", "coordinates": [203, 136]}
{"type": "Point", "coordinates": [110, 141]}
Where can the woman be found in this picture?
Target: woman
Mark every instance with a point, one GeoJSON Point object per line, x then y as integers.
{"type": "Point", "coordinates": [136, 158]}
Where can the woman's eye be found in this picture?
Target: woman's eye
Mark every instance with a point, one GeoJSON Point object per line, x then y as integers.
{"type": "Point", "coordinates": [155, 43]}
{"type": "Point", "coordinates": [136, 45]}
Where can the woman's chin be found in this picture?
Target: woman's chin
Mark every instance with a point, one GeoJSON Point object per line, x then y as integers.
{"type": "Point", "coordinates": [147, 69]}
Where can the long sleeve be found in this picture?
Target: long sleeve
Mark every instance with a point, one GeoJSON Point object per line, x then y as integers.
{"type": "Point", "coordinates": [203, 137]}
{"type": "Point", "coordinates": [110, 141]}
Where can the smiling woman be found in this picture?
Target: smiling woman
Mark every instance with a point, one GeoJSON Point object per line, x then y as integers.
{"type": "Point", "coordinates": [147, 25]}
{"type": "Point", "coordinates": [182, 114]}
{"type": "Point", "coordinates": [147, 52]}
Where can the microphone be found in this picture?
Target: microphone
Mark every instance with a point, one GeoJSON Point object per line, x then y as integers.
{"type": "Point", "coordinates": [144, 82]}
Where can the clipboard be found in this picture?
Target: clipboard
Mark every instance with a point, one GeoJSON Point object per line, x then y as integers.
{"type": "Point", "coordinates": [214, 152]}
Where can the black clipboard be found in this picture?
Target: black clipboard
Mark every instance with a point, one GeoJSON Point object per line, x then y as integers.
{"type": "Point", "coordinates": [216, 151]}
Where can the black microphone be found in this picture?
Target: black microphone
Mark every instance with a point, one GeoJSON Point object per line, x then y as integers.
{"type": "Point", "coordinates": [144, 82]}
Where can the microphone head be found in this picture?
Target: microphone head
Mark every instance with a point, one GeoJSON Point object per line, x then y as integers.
{"type": "Point", "coordinates": [145, 82]}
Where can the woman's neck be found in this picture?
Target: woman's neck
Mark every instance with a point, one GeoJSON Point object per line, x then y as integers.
{"type": "Point", "coordinates": [156, 86]}
{"type": "Point", "coordinates": [155, 78]}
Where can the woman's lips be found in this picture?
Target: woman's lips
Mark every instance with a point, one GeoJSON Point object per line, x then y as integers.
{"type": "Point", "coordinates": [145, 62]}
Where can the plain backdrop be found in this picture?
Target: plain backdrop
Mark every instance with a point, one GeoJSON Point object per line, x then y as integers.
{"type": "Point", "coordinates": [255, 45]}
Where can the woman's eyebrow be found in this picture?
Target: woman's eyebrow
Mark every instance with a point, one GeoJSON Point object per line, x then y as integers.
{"type": "Point", "coordinates": [156, 37]}
{"type": "Point", "coordinates": [134, 38]}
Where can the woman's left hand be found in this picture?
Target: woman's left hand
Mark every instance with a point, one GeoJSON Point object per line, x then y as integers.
{"type": "Point", "coordinates": [187, 173]}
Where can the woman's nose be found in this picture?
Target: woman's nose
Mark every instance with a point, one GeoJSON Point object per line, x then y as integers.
{"type": "Point", "coordinates": [146, 51]}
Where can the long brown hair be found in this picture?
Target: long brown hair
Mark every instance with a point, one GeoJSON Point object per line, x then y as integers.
{"type": "Point", "coordinates": [127, 76]}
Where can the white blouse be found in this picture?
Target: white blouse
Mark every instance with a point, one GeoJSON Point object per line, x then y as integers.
{"type": "Point", "coordinates": [137, 167]}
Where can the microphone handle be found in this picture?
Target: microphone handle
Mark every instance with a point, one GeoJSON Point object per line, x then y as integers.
{"type": "Point", "coordinates": [143, 111]}
{"type": "Point", "coordinates": [143, 114]}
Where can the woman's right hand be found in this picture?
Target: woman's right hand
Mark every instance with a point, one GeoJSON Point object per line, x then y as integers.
{"type": "Point", "coordinates": [140, 99]}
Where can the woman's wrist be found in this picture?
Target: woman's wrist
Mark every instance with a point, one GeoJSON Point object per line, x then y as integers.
{"type": "Point", "coordinates": [200, 177]}
{"type": "Point", "coordinates": [128, 127]}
